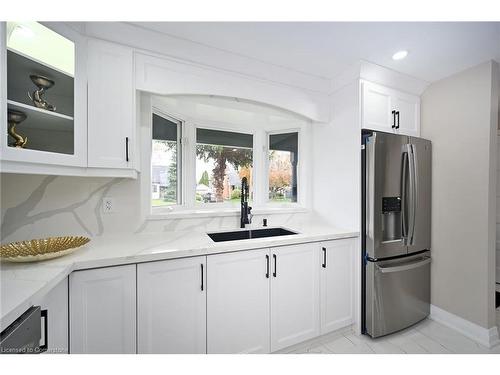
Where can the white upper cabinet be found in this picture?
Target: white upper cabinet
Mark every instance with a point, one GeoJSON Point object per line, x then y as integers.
{"type": "Point", "coordinates": [43, 86]}
{"type": "Point", "coordinates": [376, 107]}
{"type": "Point", "coordinates": [389, 110]}
{"type": "Point", "coordinates": [337, 284]}
{"type": "Point", "coordinates": [238, 302]}
{"type": "Point", "coordinates": [171, 306]}
{"type": "Point", "coordinates": [294, 295]}
{"type": "Point", "coordinates": [102, 305]}
{"type": "Point", "coordinates": [111, 106]}
{"type": "Point", "coordinates": [408, 114]}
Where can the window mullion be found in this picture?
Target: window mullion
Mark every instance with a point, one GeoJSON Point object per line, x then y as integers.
{"type": "Point", "coordinates": [260, 168]}
{"type": "Point", "coordinates": [189, 148]}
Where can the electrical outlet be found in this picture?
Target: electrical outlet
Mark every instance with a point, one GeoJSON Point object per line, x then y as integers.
{"type": "Point", "coordinates": [108, 205]}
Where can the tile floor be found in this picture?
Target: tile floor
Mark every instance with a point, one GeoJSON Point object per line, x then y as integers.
{"type": "Point", "coordinates": [427, 337]}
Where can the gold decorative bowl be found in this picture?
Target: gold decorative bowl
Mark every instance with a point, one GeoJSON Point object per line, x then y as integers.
{"type": "Point", "coordinates": [41, 249]}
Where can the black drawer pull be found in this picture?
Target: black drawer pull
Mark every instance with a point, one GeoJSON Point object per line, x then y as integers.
{"type": "Point", "coordinates": [126, 149]}
{"type": "Point", "coordinates": [274, 257]}
{"type": "Point", "coordinates": [393, 119]}
{"type": "Point", "coordinates": [267, 269]}
{"type": "Point", "coordinates": [324, 257]}
{"type": "Point", "coordinates": [201, 277]}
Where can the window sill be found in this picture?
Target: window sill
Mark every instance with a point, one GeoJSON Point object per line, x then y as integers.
{"type": "Point", "coordinates": [221, 212]}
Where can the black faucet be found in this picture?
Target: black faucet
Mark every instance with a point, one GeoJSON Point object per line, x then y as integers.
{"type": "Point", "coordinates": [246, 215]}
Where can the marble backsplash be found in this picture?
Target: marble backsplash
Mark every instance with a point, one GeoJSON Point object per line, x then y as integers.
{"type": "Point", "coordinates": [36, 206]}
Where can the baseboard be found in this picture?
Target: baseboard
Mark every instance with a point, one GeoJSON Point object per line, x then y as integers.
{"type": "Point", "coordinates": [483, 336]}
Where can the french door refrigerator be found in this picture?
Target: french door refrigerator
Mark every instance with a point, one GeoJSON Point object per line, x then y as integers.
{"type": "Point", "coordinates": [396, 227]}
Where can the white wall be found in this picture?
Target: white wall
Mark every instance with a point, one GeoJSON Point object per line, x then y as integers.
{"type": "Point", "coordinates": [459, 116]}
{"type": "Point", "coordinates": [337, 163]}
{"type": "Point", "coordinates": [336, 188]}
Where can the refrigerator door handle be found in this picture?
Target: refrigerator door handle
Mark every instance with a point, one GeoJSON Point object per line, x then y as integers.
{"type": "Point", "coordinates": [404, 196]}
{"type": "Point", "coordinates": [411, 193]}
{"type": "Point", "coordinates": [404, 267]}
{"type": "Point", "coordinates": [413, 190]}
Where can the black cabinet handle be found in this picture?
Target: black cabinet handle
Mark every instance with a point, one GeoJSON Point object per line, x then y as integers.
{"type": "Point", "coordinates": [274, 257]}
{"type": "Point", "coordinates": [201, 277]}
{"type": "Point", "coordinates": [324, 257]}
{"type": "Point", "coordinates": [267, 269]}
{"type": "Point", "coordinates": [45, 315]}
{"type": "Point", "coordinates": [397, 114]}
{"type": "Point", "coordinates": [126, 149]}
{"type": "Point", "coordinates": [393, 119]}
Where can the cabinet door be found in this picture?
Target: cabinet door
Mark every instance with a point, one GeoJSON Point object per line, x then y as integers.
{"type": "Point", "coordinates": [111, 105]}
{"type": "Point", "coordinates": [56, 304]}
{"type": "Point", "coordinates": [238, 302]}
{"type": "Point", "coordinates": [294, 295]}
{"type": "Point", "coordinates": [102, 310]}
{"type": "Point", "coordinates": [376, 107]}
{"type": "Point", "coordinates": [171, 309]}
{"type": "Point", "coordinates": [337, 269]}
{"type": "Point", "coordinates": [408, 107]}
{"type": "Point", "coordinates": [55, 138]}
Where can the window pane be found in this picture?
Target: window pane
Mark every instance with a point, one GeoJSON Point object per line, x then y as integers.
{"type": "Point", "coordinates": [164, 162]}
{"type": "Point", "coordinates": [283, 158]}
{"type": "Point", "coordinates": [222, 160]}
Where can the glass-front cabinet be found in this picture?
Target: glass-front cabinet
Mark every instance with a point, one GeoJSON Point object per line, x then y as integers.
{"type": "Point", "coordinates": [44, 99]}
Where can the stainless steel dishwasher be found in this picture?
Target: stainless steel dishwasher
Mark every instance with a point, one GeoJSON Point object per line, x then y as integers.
{"type": "Point", "coordinates": [24, 334]}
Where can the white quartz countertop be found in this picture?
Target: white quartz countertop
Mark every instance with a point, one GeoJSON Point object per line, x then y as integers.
{"type": "Point", "coordinates": [24, 284]}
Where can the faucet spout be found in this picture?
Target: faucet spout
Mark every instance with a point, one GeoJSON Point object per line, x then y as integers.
{"type": "Point", "coordinates": [245, 216]}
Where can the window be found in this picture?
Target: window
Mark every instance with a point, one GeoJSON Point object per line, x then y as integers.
{"type": "Point", "coordinates": [283, 159]}
{"type": "Point", "coordinates": [222, 159]}
{"type": "Point", "coordinates": [165, 161]}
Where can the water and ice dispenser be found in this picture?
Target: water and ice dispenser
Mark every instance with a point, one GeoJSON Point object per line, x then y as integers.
{"type": "Point", "coordinates": [391, 219]}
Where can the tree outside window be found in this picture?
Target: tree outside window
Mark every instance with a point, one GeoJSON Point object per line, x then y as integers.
{"type": "Point", "coordinates": [223, 159]}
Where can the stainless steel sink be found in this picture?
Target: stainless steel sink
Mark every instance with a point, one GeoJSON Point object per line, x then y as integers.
{"type": "Point", "coordinates": [249, 234]}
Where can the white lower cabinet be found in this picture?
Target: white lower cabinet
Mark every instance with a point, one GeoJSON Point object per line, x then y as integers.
{"type": "Point", "coordinates": [171, 306]}
{"type": "Point", "coordinates": [238, 302]}
{"type": "Point", "coordinates": [103, 310]}
{"type": "Point", "coordinates": [337, 267]}
{"type": "Point", "coordinates": [294, 295]}
{"type": "Point", "coordinates": [255, 301]}
{"type": "Point", "coordinates": [55, 305]}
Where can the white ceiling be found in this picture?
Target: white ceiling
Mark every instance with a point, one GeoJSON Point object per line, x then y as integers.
{"type": "Point", "coordinates": [327, 49]}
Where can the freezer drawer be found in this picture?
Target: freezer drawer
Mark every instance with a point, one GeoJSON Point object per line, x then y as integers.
{"type": "Point", "coordinates": [397, 293]}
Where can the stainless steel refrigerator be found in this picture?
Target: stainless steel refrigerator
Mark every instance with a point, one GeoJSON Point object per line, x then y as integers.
{"type": "Point", "coordinates": [396, 227]}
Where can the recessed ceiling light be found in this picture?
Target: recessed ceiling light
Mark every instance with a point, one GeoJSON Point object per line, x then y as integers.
{"type": "Point", "coordinates": [400, 55]}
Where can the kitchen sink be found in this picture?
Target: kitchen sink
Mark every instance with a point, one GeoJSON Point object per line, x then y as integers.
{"type": "Point", "coordinates": [249, 234]}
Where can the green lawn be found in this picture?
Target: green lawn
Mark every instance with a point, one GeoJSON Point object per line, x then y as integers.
{"type": "Point", "coordinates": [161, 202]}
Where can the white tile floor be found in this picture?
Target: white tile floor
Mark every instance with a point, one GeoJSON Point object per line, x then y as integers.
{"type": "Point", "coordinates": [427, 337]}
